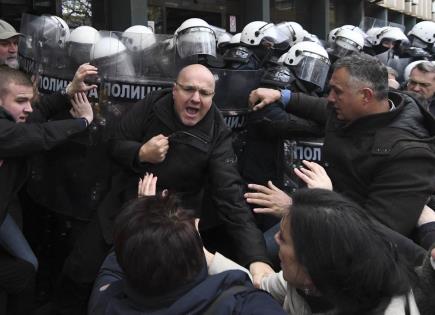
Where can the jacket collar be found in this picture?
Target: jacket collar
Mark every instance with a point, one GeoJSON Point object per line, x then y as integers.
{"type": "Point", "coordinates": [163, 301]}
{"type": "Point", "coordinates": [5, 114]}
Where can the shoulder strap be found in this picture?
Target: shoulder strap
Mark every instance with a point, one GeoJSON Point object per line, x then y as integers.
{"type": "Point", "coordinates": [222, 296]}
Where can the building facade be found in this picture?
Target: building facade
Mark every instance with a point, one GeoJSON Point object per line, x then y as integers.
{"type": "Point", "coordinates": [317, 16]}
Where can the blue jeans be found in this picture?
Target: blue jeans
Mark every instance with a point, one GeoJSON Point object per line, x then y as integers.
{"type": "Point", "coordinates": [13, 241]}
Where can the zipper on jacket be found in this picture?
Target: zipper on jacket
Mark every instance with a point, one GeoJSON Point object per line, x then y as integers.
{"type": "Point", "coordinates": [181, 132]}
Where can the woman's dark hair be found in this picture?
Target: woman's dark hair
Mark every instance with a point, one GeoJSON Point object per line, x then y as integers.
{"type": "Point", "coordinates": [347, 257]}
{"type": "Point", "coordinates": [157, 245]}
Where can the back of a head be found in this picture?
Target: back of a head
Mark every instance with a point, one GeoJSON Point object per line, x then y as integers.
{"type": "Point", "coordinates": [9, 75]}
{"type": "Point", "coordinates": [347, 257]}
{"type": "Point", "coordinates": [157, 245]}
{"type": "Point", "coordinates": [367, 71]}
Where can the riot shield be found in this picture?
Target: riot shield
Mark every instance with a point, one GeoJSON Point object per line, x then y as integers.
{"type": "Point", "coordinates": [29, 50]}
{"type": "Point", "coordinates": [368, 22]}
{"type": "Point", "coordinates": [157, 62]}
{"type": "Point", "coordinates": [294, 152]}
{"type": "Point", "coordinates": [232, 93]}
{"type": "Point", "coordinates": [111, 57]}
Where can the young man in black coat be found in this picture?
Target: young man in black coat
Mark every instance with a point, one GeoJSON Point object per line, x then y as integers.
{"type": "Point", "coordinates": [18, 141]}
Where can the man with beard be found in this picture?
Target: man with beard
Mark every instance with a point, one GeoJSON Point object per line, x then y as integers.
{"type": "Point", "coordinates": [8, 45]}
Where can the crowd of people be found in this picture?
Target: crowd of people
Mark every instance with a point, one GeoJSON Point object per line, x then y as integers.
{"type": "Point", "coordinates": [352, 232]}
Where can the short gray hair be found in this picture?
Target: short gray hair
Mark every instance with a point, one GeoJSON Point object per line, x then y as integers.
{"type": "Point", "coordinates": [425, 66]}
{"type": "Point", "coordinates": [367, 71]}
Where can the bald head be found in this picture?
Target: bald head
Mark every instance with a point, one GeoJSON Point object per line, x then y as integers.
{"type": "Point", "coordinates": [199, 71]}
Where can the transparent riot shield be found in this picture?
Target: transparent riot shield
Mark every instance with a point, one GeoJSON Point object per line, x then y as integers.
{"type": "Point", "coordinates": [111, 57]}
{"type": "Point", "coordinates": [294, 152]}
{"type": "Point", "coordinates": [52, 40]}
{"type": "Point", "coordinates": [371, 22]}
{"type": "Point", "coordinates": [157, 61]}
{"type": "Point", "coordinates": [29, 50]}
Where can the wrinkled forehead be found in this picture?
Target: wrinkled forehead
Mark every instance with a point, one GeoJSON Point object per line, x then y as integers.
{"type": "Point", "coordinates": [13, 39]}
{"type": "Point", "coordinates": [421, 75]}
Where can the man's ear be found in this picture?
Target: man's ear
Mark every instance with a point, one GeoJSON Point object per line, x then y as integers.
{"type": "Point", "coordinates": [368, 95]}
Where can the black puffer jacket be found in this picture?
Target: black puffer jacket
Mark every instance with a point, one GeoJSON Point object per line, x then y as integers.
{"type": "Point", "coordinates": [385, 162]}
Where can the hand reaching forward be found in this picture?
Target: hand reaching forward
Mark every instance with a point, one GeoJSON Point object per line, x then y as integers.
{"type": "Point", "coordinates": [272, 199]}
{"type": "Point", "coordinates": [258, 271]}
{"type": "Point", "coordinates": [154, 150]}
{"type": "Point", "coordinates": [261, 97]}
{"type": "Point", "coordinates": [314, 175]}
{"type": "Point", "coordinates": [81, 108]}
{"type": "Point", "coordinates": [147, 185]}
{"type": "Point", "coordinates": [78, 83]}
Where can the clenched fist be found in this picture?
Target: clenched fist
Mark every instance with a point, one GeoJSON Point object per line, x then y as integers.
{"type": "Point", "coordinates": [154, 150]}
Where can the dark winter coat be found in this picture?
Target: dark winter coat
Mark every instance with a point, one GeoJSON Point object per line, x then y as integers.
{"type": "Point", "coordinates": [18, 141]}
{"type": "Point", "coordinates": [196, 154]}
{"type": "Point", "coordinates": [384, 162]}
{"type": "Point", "coordinates": [193, 298]}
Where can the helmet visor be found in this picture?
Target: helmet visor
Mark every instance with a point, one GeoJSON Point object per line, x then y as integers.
{"type": "Point", "coordinates": [313, 68]}
{"type": "Point", "coordinates": [273, 34]}
{"type": "Point", "coordinates": [417, 42]}
{"type": "Point", "coordinates": [196, 41]}
{"type": "Point", "coordinates": [344, 46]}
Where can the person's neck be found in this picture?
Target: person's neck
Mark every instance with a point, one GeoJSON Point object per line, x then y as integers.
{"type": "Point", "coordinates": [379, 107]}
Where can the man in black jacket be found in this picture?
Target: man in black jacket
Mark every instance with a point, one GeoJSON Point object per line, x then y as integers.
{"type": "Point", "coordinates": [179, 135]}
{"type": "Point", "coordinates": [379, 145]}
{"type": "Point", "coordinates": [19, 140]}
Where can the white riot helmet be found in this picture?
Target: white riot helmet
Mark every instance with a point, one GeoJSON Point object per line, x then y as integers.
{"type": "Point", "coordinates": [256, 32]}
{"type": "Point", "coordinates": [55, 32]}
{"type": "Point", "coordinates": [309, 62]}
{"type": "Point", "coordinates": [347, 41]}
{"type": "Point", "coordinates": [422, 34]}
{"type": "Point", "coordinates": [110, 55]}
{"type": "Point", "coordinates": [195, 37]}
{"type": "Point", "coordinates": [236, 38]}
{"type": "Point", "coordinates": [293, 30]}
{"type": "Point", "coordinates": [138, 38]}
{"type": "Point", "coordinates": [80, 43]}
{"type": "Point", "coordinates": [332, 33]}
{"type": "Point", "coordinates": [224, 39]}
{"type": "Point", "coordinates": [386, 36]}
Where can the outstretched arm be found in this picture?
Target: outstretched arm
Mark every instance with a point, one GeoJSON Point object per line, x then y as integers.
{"type": "Point", "coordinates": [314, 175]}
{"type": "Point", "coordinates": [261, 97]}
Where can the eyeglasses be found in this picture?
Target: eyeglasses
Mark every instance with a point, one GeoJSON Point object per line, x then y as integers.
{"type": "Point", "coordinates": [190, 89]}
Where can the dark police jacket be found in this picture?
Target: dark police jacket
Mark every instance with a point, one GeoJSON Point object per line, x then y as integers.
{"type": "Point", "coordinates": [196, 154]}
{"type": "Point", "coordinates": [18, 141]}
{"type": "Point", "coordinates": [195, 297]}
{"type": "Point", "coordinates": [384, 162]}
